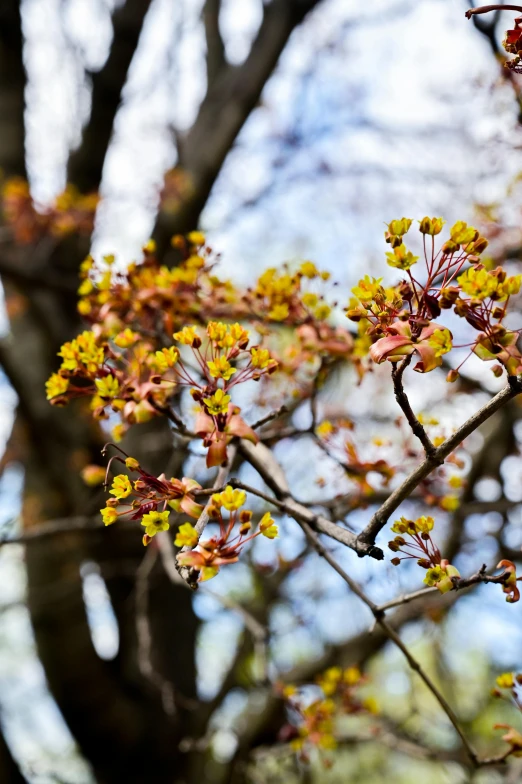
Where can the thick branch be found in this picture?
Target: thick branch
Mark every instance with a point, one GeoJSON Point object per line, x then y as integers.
{"type": "Point", "coordinates": [404, 403]}
{"type": "Point", "coordinates": [230, 99]}
{"type": "Point", "coordinates": [437, 458]}
{"type": "Point", "coordinates": [86, 164]}
{"type": "Point", "coordinates": [262, 459]}
{"type": "Point", "coordinates": [215, 47]}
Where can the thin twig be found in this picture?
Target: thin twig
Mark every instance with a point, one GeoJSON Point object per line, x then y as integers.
{"type": "Point", "coordinates": [404, 403]}
{"type": "Point", "coordinates": [270, 417]}
{"type": "Point", "coordinates": [390, 632]}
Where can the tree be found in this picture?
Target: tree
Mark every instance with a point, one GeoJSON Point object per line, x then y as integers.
{"type": "Point", "coordinates": [138, 717]}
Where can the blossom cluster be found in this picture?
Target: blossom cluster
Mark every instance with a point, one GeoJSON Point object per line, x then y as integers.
{"type": "Point", "coordinates": [313, 724]}
{"type": "Point", "coordinates": [401, 321]}
{"type": "Point", "coordinates": [420, 546]}
{"type": "Point", "coordinates": [128, 364]}
{"type": "Point", "coordinates": [70, 212]}
{"type": "Point", "coordinates": [149, 498]}
{"type": "Point", "coordinates": [234, 532]}
{"type": "Point", "coordinates": [509, 683]}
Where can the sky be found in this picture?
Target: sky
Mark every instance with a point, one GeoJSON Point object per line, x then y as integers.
{"type": "Point", "coordinates": [374, 113]}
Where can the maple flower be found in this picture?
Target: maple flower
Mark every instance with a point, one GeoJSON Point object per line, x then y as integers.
{"type": "Point", "coordinates": [479, 284]}
{"type": "Point", "coordinates": [154, 522]}
{"type": "Point", "coordinates": [367, 288]}
{"type": "Point", "coordinates": [56, 385]}
{"type": "Point", "coordinates": [431, 226]}
{"type": "Point", "coordinates": [401, 258]}
{"type": "Point", "coordinates": [260, 357]}
{"type": "Point", "coordinates": [126, 338]}
{"type": "Point", "coordinates": [217, 403]}
{"type": "Point", "coordinates": [268, 527]}
{"type": "Point", "coordinates": [108, 387]}
{"type": "Point", "coordinates": [187, 536]}
{"type": "Point", "coordinates": [231, 499]}
{"type": "Point", "coordinates": [121, 486]}
{"type": "Point", "coordinates": [441, 342]}
{"type": "Point", "coordinates": [188, 337]}
{"type": "Point", "coordinates": [221, 368]}
{"type": "Point", "coordinates": [434, 575]}
{"type": "Point", "coordinates": [109, 515]}
{"type": "Point", "coordinates": [399, 227]}
{"type": "Point", "coordinates": [165, 359]}
{"type": "Point", "coordinates": [505, 680]}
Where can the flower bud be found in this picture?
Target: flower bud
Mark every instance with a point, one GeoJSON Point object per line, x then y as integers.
{"type": "Point", "coordinates": [431, 226]}
{"type": "Point", "coordinates": [395, 561]}
{"type": "Point", "coordinates": [452, 376]}
{"type": "Point", "coordinates": [497, 370]}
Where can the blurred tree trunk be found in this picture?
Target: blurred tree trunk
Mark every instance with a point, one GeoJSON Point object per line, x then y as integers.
{"type": "Point", "coordinates": [115, 713]}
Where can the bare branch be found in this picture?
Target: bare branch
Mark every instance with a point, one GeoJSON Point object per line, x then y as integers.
{"type": "Point", "coordinates": [262, 459]}
{"type": "Point", "coordinates": [390, 632]}
{"type": "Point", "coordinates": [404, 403]}
{"type": "Point", "coordinates": [381, 517]}
{"type": "Point", "coordinates": [215, 46]}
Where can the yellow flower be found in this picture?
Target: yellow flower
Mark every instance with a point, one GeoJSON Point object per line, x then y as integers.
{"type": "Point", "coordinates": [131, 463]}
{"type": "Point", "coordinates": [400, 226]}
{"type": "Point", "coordinates": [188, 337]}
{"type": "Point", "coordinates": [441, 342]}
{"type": "Point", "coordinates": [322, 311]}
{"type": "Point", "coordinates": [308, 269]}
{"type": "Point", "coordinates": [126, 338]}
{"type": "Point", "coordinates": [56, 385]}
{"type": "Point", "coordinates": [401, 258]}
{"type": "Point", "coordinates": [221, 368]}
{"type": "Point", "coordinates": [325, 429]}
{"type": "Point", "coordinates": [450, 503]}
{"type": "Point", "coordinates": [367, 288]}
{"type": "Point", "coordinates": [431, 226]}
{"type": "Point", "coordinates": [279, 312]}
{"type": "Point", "coordinates": [434, 575]}
{"type": "Point", "coordinates": [187, 536]}
{"type": "Point", "coordinates": [108, 387]}
{"type": "Point", "coordinates": [260, 357]}
{"type": "Point", "coordinates": [231, 499]}
{"type": "Point", "coordinates": [404, 526]}
{"type": "Point", "coordinates": [109, 515]}
{"type": "Point", "coordinates": [310, 299]}
{"type": "Point", "coordinates": [118, 431]}
{"type": "Point", "coordinates": [351, 676]}
{"type": "Point", "coordinates": [121, 487]}
{"type": "Point", "coordinates": [265, 522]}
{"type": "Point", "coordinates": [505, 681]}
{"type": "Point", "coordinates": [478, 283]}
{"type": "Point", "coordinates": [82, 351]}
{"type": "Point", "coordinates": [462, 234]}
{"type": "Point", "coordinates": [271, 532]}
{"type": "Point", "coordinates": [154, 522]}
{"type": "Point", "coordinates": [455, 481]}
{"type": "Point", "coordinates": [207, 573]}
{"type": "Point", "coordinates": [217, 403]}
{"type": "Point", "coordinates": [196, 237]}
{"type": "Point", "coordinates": [85, 287]}
{"type": "Point", "coordinates": [425, 524]}
{"type": "Point", "coordinates": [166, 358]}
{"type": "Point", "coordinates": [149, 248]}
